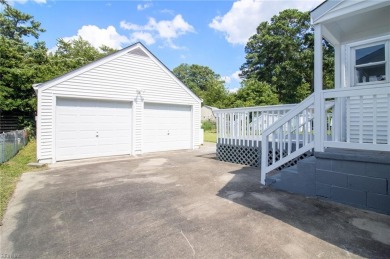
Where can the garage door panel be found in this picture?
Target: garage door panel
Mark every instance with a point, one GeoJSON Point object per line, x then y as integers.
{"type": "Point", "coordinates": [92, 128]}
{"type": "Point", "coordinates": [122, 133]}
{"type": "Point", "coordinates": [65, 144]}
{"type": "Point", "coordinates": [65, 118]}
{"type": "Point", "coordinates": [166, 127]}
{"type": "Point", "coordinates": [70, 135]}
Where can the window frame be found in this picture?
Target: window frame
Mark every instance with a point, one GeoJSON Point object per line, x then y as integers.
{"type": "Point", "coordinates": [352, 61]}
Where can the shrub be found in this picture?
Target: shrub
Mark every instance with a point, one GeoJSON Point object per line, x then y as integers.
{"type": "Point", "coordinates": [208, 126]}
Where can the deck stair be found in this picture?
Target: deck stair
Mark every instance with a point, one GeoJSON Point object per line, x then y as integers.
{"type": "Point", "coordinates": [299, 178]}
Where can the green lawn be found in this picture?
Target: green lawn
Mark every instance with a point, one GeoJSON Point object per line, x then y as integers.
{"type": "Point", "coordinates": [210, 136]}
{"type": "Point", "coordinates": [11, 171]}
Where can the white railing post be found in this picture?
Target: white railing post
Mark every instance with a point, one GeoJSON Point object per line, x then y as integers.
{"type": "Point", "coordinates": [318, 99]}
{"type": "Point", "coordinates": [264, 159]}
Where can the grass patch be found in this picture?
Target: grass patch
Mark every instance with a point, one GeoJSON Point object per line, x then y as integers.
{"type": "Point", "coordinates": [210, 136]}
{"type": "Point", "coordinates": [11, 171]}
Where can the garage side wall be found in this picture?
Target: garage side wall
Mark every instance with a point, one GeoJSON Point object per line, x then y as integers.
{"type": "Point", "coordinates": [196, 122]}
{"type": "Point", "coordinates": [134, 77]}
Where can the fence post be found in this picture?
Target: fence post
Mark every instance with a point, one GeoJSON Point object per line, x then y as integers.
{"type": "Point", "coordinates": [15, 143]}
{"type": "Point", "coordinates": [2, 139]}
{"type": "Point", "coordinates": [24, 137]}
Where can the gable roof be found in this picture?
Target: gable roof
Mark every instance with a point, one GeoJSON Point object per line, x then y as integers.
{"type": "Point", "coordinates": [210, 107]}
{"type": "Point", "coordinates": [137, 48]}
{"type": "Point", "coordinates": [351, 20]}
{"type": "Point", "coordinates": [323, 8]}
{"type": "Point", "coordinates": [333, 9]}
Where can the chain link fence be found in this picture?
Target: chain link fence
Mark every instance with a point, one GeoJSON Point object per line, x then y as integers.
{"type": "Point", "coordinates": [10, 143]}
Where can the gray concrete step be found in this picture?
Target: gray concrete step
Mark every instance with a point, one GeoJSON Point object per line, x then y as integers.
{"type": "Point", "coordinates": [299, 178]}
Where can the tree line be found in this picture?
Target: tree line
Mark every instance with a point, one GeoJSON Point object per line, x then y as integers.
{"type": "Point", "coordinates": [278, 64]}
{"type": "Point", "coordinates": [278, 68]}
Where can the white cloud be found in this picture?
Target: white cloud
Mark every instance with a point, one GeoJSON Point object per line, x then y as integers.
{"type": "Point", "coordinates": [167, 11]}
{"type": "Point", "coordinates": [233, 77]}
{"type": "Point", "coordinates": [143, 36]}
{"type": "Point", "coordinates": [241, 21]}
{"type": "Point", "coordinates": [233, 90]}
{"type": "Point", "coordinates": [141, 7]}
{"type": "Point", "coordinates": [227, 79]}
{"type": "Point", "coordinates": [236, 76]}
{"type": "Point", "coordinates": [232, 82]}
{"type": "Point", "coordinates": [174, 28]}
{"type": "Point", "coordinates": [100, 36]}
{"type": "Point", "coordinates": [52, 50]}
{"type": "Point", "coordinates": [130, 26]}
{"type": "Point", "coordinates": [167, 30]}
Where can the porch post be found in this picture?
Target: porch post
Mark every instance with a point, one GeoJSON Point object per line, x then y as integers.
{"type": "Point", "coordinates": [318, 102]}
{"type": "Point", "coordinates": [336, 123]}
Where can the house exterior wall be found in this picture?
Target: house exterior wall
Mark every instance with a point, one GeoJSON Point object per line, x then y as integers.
{"type": "Point", "coordinates": [349, 26]}
{"type": "Point", "coordinates": [136, 78]}
{"type": "Point", "coordinates": [368, 116]}
{"type": "Point", "coordinates": [207, 114]}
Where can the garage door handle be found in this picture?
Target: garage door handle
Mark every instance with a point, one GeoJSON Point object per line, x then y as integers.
{"type": "Point", "coordinates": [97, 134]}
{"type": "Point", "coordinates": [168, 132]}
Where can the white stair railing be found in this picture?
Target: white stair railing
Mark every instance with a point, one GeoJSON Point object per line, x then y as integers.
{"type": "Point", "coordinates": [288, 138]}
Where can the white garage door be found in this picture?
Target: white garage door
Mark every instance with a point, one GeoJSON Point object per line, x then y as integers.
{"type": "Point", "coordinates": [166, 127]}
{"type": "Point", "coordinates": [92, 128]}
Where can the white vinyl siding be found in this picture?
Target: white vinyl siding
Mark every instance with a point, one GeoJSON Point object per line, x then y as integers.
{"type": "Point", "coordinates": [166, 127]}
{"type": "Point", "coordinates": [196, 118]}
{"type": "Point", "coordinates": [122, 77]}
{"type": "Point", "coordinates": [368, 119]}
{"type": "Point", "coordinates": [128, 77]}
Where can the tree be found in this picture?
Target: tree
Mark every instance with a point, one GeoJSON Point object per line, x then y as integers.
{"type": "Point", "coordinates": [281, 53]}
{"type": "Point", "coordinates": [18, 63]}
{"type": "Point", "coordinates": [204, 82]}
{"type": "Point", "coordinates": [70, 55]}
{"type": "Point", "coordinates": [22, 64]}
{"type": "Point", "coordinates": [15, 25]}
{"type": "Point", "coordinates": [254, 93]}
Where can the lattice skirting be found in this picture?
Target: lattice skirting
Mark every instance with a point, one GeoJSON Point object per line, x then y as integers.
{"type": "Point", "coordinates": [239, 154]}
{"type": "Point", "coordinates": [250, 154]}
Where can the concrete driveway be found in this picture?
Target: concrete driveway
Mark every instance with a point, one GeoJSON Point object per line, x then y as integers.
{"type": "Point", "coordinates": [178, 205]}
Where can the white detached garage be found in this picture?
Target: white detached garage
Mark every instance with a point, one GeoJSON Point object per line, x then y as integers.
{"type": "Point", "coordinates": [125, 103]}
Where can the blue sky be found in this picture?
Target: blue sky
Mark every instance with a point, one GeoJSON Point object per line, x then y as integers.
{"type": "Point", "coordinates": [210, 33]}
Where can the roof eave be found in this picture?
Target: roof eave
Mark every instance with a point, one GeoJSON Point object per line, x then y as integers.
{"type": "Point", "coordinates": [323, 9]}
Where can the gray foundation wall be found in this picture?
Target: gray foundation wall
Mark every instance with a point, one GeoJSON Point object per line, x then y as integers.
{"type": "Point", "coordinates": [355, 179]}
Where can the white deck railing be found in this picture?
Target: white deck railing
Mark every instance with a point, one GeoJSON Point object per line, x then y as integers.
{"type": "Point", "coordinates": [361, 118]}
{"type": "Point", "coordinates": [239, 124]}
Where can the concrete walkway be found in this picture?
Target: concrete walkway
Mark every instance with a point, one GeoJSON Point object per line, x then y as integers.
{"type": "Point", "coordinates": [178, 205]}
